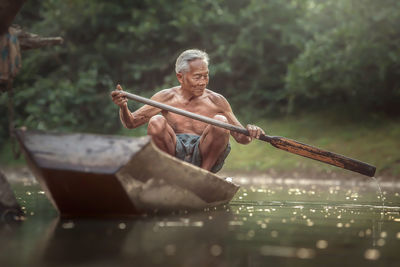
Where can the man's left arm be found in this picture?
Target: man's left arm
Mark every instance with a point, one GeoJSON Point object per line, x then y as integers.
{"type": "Point", "coordinates": [254, 130]}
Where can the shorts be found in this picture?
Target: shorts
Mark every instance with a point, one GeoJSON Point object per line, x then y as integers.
{"type": "Point", "coordinates": [187, 149]}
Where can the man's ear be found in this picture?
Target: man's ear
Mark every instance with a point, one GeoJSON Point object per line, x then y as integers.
{"type": "Point", "coordinates": [179, 76]}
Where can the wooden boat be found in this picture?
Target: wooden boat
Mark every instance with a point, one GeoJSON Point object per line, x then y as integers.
{"type": "Point", "coordinates": [100, 175]}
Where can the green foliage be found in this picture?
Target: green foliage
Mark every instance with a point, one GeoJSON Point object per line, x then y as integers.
{"type": "Point", "coordinates": [372, 140]}
{"type": "Point", "coordinates": [66, 106]}
{"type": "Point", "coordinates": [136, 44]}
{"type": "Point", "coordinates": [353, 57]}
{"type": "Point", "coordinates": [266, 56]}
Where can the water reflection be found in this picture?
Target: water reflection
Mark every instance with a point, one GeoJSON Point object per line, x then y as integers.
{"type": "Point", "coordinates": [180, 240]}
{"type": "Point", "coordinates": [83, 242]}
{"type": "Point", "coordinates": [282, 222]}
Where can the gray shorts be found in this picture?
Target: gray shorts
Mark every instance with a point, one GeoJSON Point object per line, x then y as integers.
{"type": "Point", "coordinates": [187, 149]}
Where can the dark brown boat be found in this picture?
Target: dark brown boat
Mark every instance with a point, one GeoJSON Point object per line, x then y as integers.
{"type": "Point", "coordinates": [100, 175]}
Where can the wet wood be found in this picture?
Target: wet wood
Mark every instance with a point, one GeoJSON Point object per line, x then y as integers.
{"type": "Point", "coordinates": [99, 175]}
{"type": "Point", "coordinates": [277, 141]}
{"type": "Point", "coordinates": [322, 155]}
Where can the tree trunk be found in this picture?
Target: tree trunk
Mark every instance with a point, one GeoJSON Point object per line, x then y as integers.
{"type": "Point", "coordinates": [8, 11]}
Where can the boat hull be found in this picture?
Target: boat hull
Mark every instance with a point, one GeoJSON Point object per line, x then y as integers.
{"type": "Point", "coordinates": [102, 175]}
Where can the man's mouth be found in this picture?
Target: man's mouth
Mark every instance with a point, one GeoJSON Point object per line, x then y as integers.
{"type": "Point", "coordinates": [199, 91]}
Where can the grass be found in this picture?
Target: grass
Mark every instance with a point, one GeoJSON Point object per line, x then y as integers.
{"type": "Point", "coordinates": [7, 157]}
{"type": "Point", "coordinates": [372, 140]}
{"type": "Point", "coordinates": [375, 141]}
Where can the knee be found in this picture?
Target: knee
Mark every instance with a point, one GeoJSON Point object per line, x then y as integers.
{"type": "Point", "coordinates": [219, 130]}
{"type": "Point", "coordinates": [220, 118]}
{"type": "Point", "coordinates": [157, 125]}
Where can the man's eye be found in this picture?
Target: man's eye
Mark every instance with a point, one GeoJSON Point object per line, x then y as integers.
{"type": "Point", "coordinates": [198, 77]}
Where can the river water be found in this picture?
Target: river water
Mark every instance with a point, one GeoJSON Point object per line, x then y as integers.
{"type": "Point", "coordinates": [270, 222]}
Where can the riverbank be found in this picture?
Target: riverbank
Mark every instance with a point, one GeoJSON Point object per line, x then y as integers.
{"type": "Point", "coordinates": [22, 174]}
{"type": "Point", "coordinates": [374, 140]}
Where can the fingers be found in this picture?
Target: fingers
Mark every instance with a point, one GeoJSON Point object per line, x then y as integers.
{"type": "Point", "coordinates": [254, 131]}
{"type": "Point", "coordinates": [117, 96]}
{"type": "Point", "coordinates": [121, 101]}
{"type": "Point", "coordinates": [117, 90]}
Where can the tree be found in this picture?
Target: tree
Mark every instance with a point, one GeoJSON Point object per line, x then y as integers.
{"type": "Point", "coordinates": [352, 58]}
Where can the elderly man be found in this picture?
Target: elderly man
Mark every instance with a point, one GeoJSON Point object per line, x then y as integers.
{"type": "Point", "coordinates": [193, 141]}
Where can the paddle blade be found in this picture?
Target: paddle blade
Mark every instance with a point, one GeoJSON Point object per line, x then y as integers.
{"type": "Point", "coordinates": [322, 155]}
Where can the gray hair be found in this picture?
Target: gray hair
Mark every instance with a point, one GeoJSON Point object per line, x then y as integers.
{"type": "Point", "coordinates": [182, 62]}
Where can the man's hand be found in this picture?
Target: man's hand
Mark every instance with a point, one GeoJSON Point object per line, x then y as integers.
{"type": "Point", "coordinates": [254, 131]}
{"type": "Point", "coordinates": [118, 98]}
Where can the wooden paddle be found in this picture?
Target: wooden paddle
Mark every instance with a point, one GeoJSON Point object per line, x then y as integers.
{"type": "Point", "coordinates": [283, 143]}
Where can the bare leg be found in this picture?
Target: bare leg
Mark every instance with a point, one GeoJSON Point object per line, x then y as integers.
{"type": "Point", "coordinates": [162, 134]}
{"type": "Point", "coordinates": [213, 142]}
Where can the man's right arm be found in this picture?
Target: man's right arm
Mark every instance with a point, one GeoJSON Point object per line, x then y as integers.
{"type": "Point", "coordinates": [126, 117]}
{"type": "Point", "coordinates": [139, 117]}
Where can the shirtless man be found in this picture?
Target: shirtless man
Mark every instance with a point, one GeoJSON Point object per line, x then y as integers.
{"type": "Point", "coordinates": [190, 140]}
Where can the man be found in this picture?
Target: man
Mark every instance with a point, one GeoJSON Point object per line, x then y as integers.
{"type": "Point", "coordinates": [190, 140]}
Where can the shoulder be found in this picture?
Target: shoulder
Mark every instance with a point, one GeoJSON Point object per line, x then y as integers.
{"type": "Point", "coordinates": [217, 99]}
{"type": "Point", "coordinates": [165, 94]}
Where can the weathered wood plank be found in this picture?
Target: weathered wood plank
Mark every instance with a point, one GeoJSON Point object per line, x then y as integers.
{"type": "Point", "coordinates": [99, 175]}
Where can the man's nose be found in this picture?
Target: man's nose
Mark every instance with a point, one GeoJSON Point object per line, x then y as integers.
{"type": "Point", "coordinates": [203, 81]}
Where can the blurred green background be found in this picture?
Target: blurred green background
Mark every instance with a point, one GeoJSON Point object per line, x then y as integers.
{"type": "Point", "coordinates": [323, 72]}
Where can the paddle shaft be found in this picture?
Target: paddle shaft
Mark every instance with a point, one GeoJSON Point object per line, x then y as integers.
{"type": "Point", "coordinates": [286, 144]}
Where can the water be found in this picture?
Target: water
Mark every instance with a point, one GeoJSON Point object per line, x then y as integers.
{"type": "Point", "coordinates": [270, 222]}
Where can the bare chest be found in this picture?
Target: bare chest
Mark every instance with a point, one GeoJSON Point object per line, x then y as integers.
{"type": "Point", "coordinates": [182, 124]}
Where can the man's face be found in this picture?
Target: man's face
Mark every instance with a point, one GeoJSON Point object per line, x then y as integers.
{"type": "Point", "coordinates": [196, 79]}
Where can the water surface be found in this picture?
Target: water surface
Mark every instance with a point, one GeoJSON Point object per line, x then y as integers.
{"type": "Point", "coordinates": [270, 222]}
